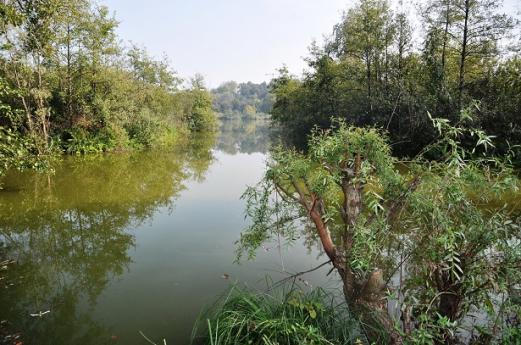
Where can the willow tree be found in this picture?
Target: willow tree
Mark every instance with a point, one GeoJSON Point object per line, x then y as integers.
{"type": "Point", "coordinates": [371, 220]}
{"type": "Point", "coordinates": [339, 186]}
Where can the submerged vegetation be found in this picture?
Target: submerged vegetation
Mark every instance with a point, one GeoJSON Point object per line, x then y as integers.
{"type": "Point", "coordinates": [67, 85]}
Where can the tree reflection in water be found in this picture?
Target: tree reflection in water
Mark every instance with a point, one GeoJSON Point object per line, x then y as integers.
{"type": "Point", "coordinates": [69, 234]}
{"type": "Point", "coordinates": [244, 135]}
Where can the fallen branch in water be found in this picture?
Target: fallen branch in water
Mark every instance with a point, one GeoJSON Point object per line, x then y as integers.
{"type": "Point", "coordinates": [298, 274]}
{"type": "Point", "coordinates": [150, 341]}
{"type": "Point", "coordinates": [40, 314]}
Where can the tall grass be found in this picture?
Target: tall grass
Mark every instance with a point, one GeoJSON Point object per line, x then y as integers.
{"type": "Point", "coordinates": [284, 316]}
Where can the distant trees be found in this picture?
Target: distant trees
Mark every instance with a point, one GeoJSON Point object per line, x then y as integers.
{"type": "Point", "coordinates": [75, 88]}
{"type": "Point", "coordinates": [369, 73]}
{"type": "Point", "coordinates": [232, 100]}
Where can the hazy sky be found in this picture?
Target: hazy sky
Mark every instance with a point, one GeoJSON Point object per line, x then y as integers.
{"type": "Point", "coordinates": [231, 39]}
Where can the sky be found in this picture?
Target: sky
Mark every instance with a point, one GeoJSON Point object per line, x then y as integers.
{"type": "Point", "coordinates": [241, 40]}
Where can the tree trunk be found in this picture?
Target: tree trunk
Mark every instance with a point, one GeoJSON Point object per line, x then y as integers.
{"type": "Point", "coordinates": [42, 110]}
{"type": "Point", "coordinates": [445, 38]}
{"type": "Point", "coordinates": [463, 56]}
{"type": "Point", "coordinates": [369, 77]}
{"type": "Point", "coordinates": [450, 304]}
{"type": "Point", "coordinates": [69, 78]}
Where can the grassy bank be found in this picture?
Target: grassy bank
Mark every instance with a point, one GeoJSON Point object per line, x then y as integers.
{"type": "Point", "coordinates": [284, 315]}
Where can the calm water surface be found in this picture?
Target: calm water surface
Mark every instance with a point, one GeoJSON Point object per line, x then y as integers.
{"type": "Point", "coordinates": [119, 243]}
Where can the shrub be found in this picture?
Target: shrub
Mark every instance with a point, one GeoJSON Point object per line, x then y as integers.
{"type": "Point", "coordinates": [81, 142]}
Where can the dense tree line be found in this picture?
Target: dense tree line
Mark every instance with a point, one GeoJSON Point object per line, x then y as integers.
{"type": "Point", "coordinates": [369, 72]}
{"type": "Point", "coordinates": [67, 84]}
{"type": "Point", "coordinates": [237, 100]}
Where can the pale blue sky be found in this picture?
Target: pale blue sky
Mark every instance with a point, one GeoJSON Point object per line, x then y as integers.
{"type": "Point", "coordinates": [231, 39]}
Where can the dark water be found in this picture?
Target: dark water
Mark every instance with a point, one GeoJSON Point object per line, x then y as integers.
{"type": "Point", "coordinates": [115, 244]}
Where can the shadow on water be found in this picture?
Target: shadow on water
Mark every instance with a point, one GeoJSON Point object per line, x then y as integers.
{"type": "Point", "coordinates": [69, 234]}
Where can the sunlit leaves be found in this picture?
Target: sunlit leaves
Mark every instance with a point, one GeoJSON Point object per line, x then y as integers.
{"type": "Point", "coordinates": [454, 232]}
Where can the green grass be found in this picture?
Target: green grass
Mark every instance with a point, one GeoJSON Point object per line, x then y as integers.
{"type": "Point", "coordinates": [284, 316]}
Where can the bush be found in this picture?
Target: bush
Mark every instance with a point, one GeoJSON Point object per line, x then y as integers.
{"type": "Point", "coordinates": [82, 142]}
{"type": "Point", "coordinates": [17, 152]}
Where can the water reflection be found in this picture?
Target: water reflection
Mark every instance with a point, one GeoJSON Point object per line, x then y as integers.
{"type": "Point", "coordinates": [244, 135]}
{"type": "Point", "coordinates": [139, 241]}
{"type": "Point", "coordinates": [69, 235]}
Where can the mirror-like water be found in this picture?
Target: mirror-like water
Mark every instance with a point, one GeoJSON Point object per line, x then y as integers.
{"type": "Point", "coordinates": [114, 244]}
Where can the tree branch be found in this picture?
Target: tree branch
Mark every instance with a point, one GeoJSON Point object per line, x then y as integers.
{"type": "Point", "coordinates": [298, 274]}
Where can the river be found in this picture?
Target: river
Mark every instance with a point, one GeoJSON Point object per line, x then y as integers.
{"type": "Point", "coordinates": [110, 245]}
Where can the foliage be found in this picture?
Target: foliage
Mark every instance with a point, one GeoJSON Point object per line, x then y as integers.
{"type": "Point", "coordinates": [347, 186]}
{"type": "Point", "coordinates": [81, 143]}
{"type": "Point", "coordinates": [18, 153]}
{"type": "Point", "coordinates": [70, 81]}
{"type": "Point", "coordinates": [369, 72]}
{"type": "Point", "coordinates": [458, 248]}
{"type": "Point", "coordinates": [284, 316]}
{"type": "Point", "coordinates": [464, 252]}
{"type": "Point", "coordinates": [501, 101]}
{"type": "Point", "coordinates": [232, 100]}
{"type": "Point", "coordinates": [200, 115]}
